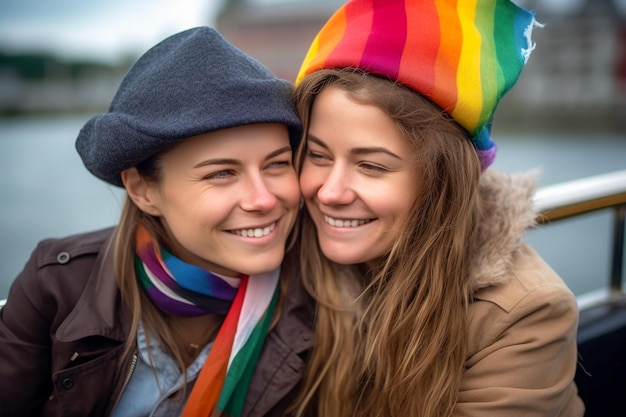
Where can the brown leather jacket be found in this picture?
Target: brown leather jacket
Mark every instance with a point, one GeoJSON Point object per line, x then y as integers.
{"type": "Point", "coordinates": [63, 329]}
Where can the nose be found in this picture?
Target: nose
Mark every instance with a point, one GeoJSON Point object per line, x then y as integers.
{"type": "Point", "coordinates": [257, 195]}
{"type": "Point", "coordinates": [336, 189]}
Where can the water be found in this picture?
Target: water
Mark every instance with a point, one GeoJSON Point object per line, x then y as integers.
{"type": "Point", "coordinates": [47, 192]}
{"type": "Point", "coordinates": [579, 249]}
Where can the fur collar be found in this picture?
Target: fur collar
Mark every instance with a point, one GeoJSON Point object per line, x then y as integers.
{"type": "Point", "coordinates": [508, 212]}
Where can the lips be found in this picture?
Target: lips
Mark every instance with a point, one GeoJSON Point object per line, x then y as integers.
{"type": "Point", "coordinates": [345, 222]}
{"type": "Point", "coordinates": [255, 232]}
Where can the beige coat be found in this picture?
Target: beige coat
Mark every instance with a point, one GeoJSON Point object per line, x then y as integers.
{"type": "Point", "coordinates": [522, 325]}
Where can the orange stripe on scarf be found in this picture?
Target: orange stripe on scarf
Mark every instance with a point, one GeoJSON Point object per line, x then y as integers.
{"type": "Point", "coordinates": [206, 391]}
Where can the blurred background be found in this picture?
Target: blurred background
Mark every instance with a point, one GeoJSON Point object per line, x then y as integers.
{"type": "Point", "coordinates": [61, 62]}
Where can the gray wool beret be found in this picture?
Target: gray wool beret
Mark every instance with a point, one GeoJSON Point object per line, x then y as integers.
{"type": "Point", "coordinates": [191, 83]}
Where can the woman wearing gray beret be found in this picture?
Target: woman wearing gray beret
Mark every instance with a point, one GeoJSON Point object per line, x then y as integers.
{"type": "Point", "coordinates": [181, 309]}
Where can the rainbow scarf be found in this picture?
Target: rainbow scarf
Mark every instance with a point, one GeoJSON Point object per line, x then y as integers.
{"type": "Point", "coordinates": [177, 287]}
{"type": "Point", "coordinates": [463, 55]}
{"type": "Point", "coordinates": [223, 382]}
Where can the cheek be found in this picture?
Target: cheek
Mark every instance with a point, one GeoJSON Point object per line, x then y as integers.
{"type": "Point", "coordinates": [406, 203]}
{"type": "Point", "coordinates": [287, 189]}
{"type": "Point", "coordinates": [311, 180]}
{"type": "Point", "coordinates": [294, 193]}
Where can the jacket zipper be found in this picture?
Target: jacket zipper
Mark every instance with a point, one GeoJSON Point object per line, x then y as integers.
{"type": "Point", "coordinates": [133, 364]}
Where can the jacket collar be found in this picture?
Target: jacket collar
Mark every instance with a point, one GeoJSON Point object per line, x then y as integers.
{"type": "Point", "coordinates": [508, 213]}
{"type": "Point", "coordinates": [99, 310]}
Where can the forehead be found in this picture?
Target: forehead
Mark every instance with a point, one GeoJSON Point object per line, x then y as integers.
{"type": "Point", "coordinates": [337, 119]}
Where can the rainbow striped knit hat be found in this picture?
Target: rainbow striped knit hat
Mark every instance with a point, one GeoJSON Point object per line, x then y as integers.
{"type": "Point", "coordinates": [463, 55]}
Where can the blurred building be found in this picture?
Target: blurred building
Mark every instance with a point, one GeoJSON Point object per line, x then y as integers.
{"type": "Point", "coordinates": [43, 83]}
{"type": "Point", "coordinates": [577, 72]}
{"type": "Point", "coordinates": [575, 77]}
{"type": "Point", "coordinates": [277, 32]}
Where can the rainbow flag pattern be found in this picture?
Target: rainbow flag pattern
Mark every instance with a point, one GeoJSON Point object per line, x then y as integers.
{"type": "Point", "coordinates": [223, 382]}
{"type": "Point", "coordinates": [463, 55]}
{"type": "Point", "coordinates": [183, 289]}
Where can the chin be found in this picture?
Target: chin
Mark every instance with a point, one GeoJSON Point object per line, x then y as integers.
{"type": "Point", "coordinates": [263, 266]}
{"type": "Point", "coordinates": [344, 259]}
{"type": "Point", "coordinates": [340, 254]}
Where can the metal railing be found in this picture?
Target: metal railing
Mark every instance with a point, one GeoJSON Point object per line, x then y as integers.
{"type": "Point", "coordinates": [583, 196]}
{"type": "Point", "coordinates": [580, 197]}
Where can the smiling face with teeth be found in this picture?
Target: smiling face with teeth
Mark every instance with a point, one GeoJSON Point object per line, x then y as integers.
{"type": "Point", "coordinates": [227, 199]}
{"type": "Point", "coordinates": [358, 178]}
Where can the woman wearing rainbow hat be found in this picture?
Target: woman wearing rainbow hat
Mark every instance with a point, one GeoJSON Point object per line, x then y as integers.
{"type": "Point", "coordinates": [430, 302]}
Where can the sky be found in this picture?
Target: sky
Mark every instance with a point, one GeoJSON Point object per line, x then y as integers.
{"type": "Point", "coordinates": [107, 30]}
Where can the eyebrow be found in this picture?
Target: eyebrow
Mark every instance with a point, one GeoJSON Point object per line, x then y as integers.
{"type": "Point", "coordinates": [356, 151]}
{"type": "Point", "coordinates": [231, 161]}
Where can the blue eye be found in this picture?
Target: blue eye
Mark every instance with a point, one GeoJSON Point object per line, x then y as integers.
{"type": "Point", "coordinates": [219, 175]}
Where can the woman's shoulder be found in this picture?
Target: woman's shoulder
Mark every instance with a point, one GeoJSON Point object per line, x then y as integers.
{"type": "Point", "coordinates": [534, 300]}
{"type": "Point", "coordinates": [521, 344]}
{"type": "Point", "coordinates": [530, 279]}
{"type": "Point", "coordinates": [57, 276]}
{"type": "Point", "coordinates": [61, 250]}
{"type": "Point", "coordinates": [59, 268]}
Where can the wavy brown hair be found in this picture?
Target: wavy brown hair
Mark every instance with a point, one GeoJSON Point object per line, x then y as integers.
{"type": "Point", "coordinates": [391, 341]}
{"type": "Point", "coordinates": [154, 320]}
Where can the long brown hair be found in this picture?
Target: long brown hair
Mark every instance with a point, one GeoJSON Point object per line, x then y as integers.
{"type": "Point", "coordinates": [153, 320]}
{"type": "Point", "coordinates": [391, 341]}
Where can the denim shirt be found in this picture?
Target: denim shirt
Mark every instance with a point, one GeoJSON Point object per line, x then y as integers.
{"type": "Point", "coordinates": [149, 391]}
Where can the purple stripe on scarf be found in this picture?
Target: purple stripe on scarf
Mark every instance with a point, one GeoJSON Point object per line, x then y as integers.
{"type": "Point", "coordinates": [171, 306]}
{"type": "Point", "coordinates": [149, 257]}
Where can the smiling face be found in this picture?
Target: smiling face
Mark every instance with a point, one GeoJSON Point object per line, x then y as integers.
{"type": "Point", "coordinates": [358, 178]}
{"type": "Point", "coordinates": [228, 198]}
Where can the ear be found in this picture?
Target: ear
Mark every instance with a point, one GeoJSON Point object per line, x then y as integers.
{"type": "Point", "coordinates": [139, 190]}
